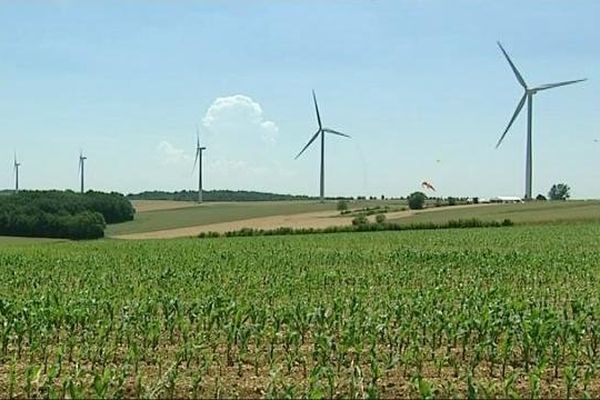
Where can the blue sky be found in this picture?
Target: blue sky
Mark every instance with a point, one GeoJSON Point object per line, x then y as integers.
{"type": "Point", "coordinates": [420, 85]}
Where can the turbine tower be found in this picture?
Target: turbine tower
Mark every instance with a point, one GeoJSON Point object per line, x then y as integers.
{"type": "Point", "coordinates": [528, 95]}
{"type": "Point", "coordinates": [198, 160]}
{"type": "Point", "coordinates": [16, 166]}
{"type": "Point", "coordinates": [321, 131]}
{"type": "Point", "coordinates": [81, 170]}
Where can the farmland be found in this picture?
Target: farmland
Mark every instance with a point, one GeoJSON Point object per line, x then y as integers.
{"type": "Point", "coordinates": [471, 313]}
{"type": "Point", "coordinates": [157, 218]}
{"type": "Point", "coordinates": [168, 219]}
{"type": "Point", "coordinates": [528, 213]}
{"type": "Point", "coordinates": [20, 241]}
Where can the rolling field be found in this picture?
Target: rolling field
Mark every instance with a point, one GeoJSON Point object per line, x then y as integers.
{"type": "Point", "coordinates": [508, 312]}
{"type": "Point", "coordinates": [21, 241]}
{"type": "Point", "coordinates": [527, 213]}
{"type": "Point", "coordinates": [160, 205]}
{"type": "Point", "coordinates": [167, 219]}
{"type": "Point", "coordinates": [209, 213]}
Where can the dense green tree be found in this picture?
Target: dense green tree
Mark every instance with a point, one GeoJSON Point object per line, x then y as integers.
{"type": "Point", "coordinates": [62, 214]}
{"type": "Point", "coordinates": [559, 191]}
{"type": "Point", "coordinates": [416, 200]}
{"type": "Point", "coordinates": [215, 195]}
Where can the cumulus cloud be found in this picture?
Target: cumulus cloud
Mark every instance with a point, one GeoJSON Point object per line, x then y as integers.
{"type": "Point", "coordinates": [239, 114]}
{"type": "Point", "coordinates": [170, 154]}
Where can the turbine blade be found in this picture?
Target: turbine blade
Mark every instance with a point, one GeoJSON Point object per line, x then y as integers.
{"type": "Point", "coordinates": [196, 159]}
{"type": "Point", "coordinates": [515, 70]}
{"type": "Point", "coordinates": [309, 143]}
{"type": "Point", "coordinates": [554, 85]}
{"type": "Point", "coordinates": [317, 109]}
{"type": "Point", "coordinates": [335, 132]}
{"type": "Point", "coordinates": [79, 168]}
{"type": "Point", "coordinates": [197, 136]}
{"type": "Point", "coordinates": [517, 111]}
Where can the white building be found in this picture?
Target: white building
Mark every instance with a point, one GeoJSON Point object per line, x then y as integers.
{"type": "Point", "coordinates": [506, 199]}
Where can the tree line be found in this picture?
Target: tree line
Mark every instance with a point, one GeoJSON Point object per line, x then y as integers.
{"type": "Point", "coordinates": [215, 195]}
{"type": "Point", "coordinates": [58, 214]}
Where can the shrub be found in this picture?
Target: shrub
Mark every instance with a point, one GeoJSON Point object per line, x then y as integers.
{"type": "Point", "coordinates": [360, 220]}
{"type": "Point", "coordinates": [342, 205]}
{"type": "Point", "coordinates": [416, 200]}
{"type": "Point", "coordinates": [380, 218]}
{"type": "Point", "coordinates": [364, 227]}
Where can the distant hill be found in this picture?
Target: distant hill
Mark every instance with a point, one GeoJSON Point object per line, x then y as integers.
{"type": "Point", "coordinates": [215, 195]}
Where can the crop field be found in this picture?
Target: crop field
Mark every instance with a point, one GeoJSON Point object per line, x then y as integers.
{"type": "Point", "coordinates": [187, 216]}
{"type": "Point", "coordinates": [20, 241]}
{"type": "Point", "coordinates": [480, 312]}
{"type": "Point", "coordinates": [527, 213]}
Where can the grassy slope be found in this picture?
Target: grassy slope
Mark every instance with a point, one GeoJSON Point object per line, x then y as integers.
{"type": "Point", "coordinates": [536, 212]}
{"type": "Point", "coordinates": [209, 213]}
{"type": "Point", "coordinates": [18, 241]}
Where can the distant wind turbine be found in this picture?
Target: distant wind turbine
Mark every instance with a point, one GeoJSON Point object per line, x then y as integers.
{"type": "Point", "coordinates": [321, 131]}
{"type": "Point", "coordinates": [198, 160]}
{"type": "Point", "coordinates": [528, 95]}
{"type": "Point", "coordinates": [16, 166]}
{"type": "Point", "coordinates": [81, 170]}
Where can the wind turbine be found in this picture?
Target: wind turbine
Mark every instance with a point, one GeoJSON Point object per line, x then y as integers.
{"type": "Point", "coordinates": [81, 170]}
{"type": "Point", "coordinates": [321, 131]}
{"type": "Point", "coordinates": [198, 160]}
{"type": "Point", "coordinates": [528, 95]}
{"type": "Point", "coordinates": [16, 166]}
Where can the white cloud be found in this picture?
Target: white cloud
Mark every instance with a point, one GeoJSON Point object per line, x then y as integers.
{"type": "Point", "coordinates": [170, 154]}
{"type": "Point", "coordinates": [239, 114]}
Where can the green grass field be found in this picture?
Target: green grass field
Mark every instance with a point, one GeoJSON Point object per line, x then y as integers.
{"type": "Point", "coordinates": [527, 213]}
{"type": "Point", "coordinates": [209, 213]}
{"type": "Point", "coordinates": [20, 241]}
{"type": "Point", "coordinates": [508, 312]}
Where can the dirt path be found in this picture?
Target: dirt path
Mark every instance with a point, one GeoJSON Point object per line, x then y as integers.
{"type": "Point", "coordinates": [321, 219]}
{"type": "Point", "coordinates": [408, 213]}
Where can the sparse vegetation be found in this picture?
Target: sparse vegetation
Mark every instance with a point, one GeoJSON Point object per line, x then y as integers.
{"type": "Point", "coordinates": [342, 205]}
{"type": "Point", "coordinates": [361, 224]}
{"type": "Point", "coordinates": [360, 219]}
